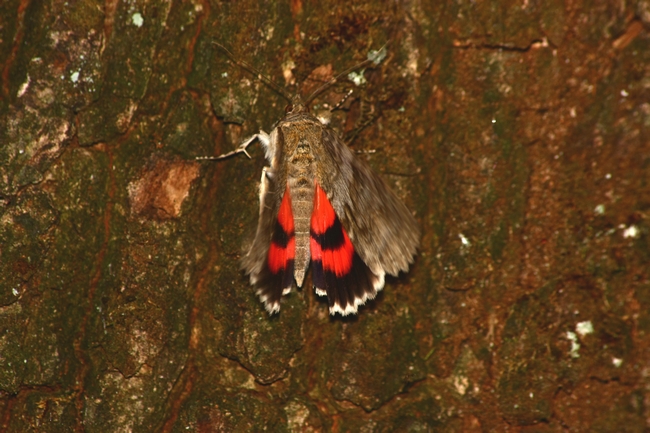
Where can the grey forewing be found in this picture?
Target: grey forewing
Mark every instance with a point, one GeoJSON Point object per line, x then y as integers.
{"type": "Point", "coordinates": [382, 229]}
{"type": "Point", "coordinates": [272, 187]}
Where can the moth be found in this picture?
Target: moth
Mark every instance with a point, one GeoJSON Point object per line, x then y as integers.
{"type": "Point", "coordinates": [320, 204]}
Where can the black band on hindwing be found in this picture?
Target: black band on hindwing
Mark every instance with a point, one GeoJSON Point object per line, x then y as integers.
{"type": "Point", "coordinates": [332, 239]}
{"type": "Point", "coordinates": [280, 237]}
{"type": "Point", "coordinates": [342, 291]}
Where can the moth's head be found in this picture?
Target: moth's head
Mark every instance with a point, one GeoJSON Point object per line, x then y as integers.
{"type": "Point", "coordinates": [296, 106]}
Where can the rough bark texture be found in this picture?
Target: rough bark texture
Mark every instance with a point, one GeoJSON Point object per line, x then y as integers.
{"type": "Point", "coordinates": [518, 132]}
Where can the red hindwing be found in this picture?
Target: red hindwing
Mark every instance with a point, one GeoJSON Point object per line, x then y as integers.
{"type": "Point", "coordinates": [335, 256]}
{"type": "Point", "coordinates": [337, 269]}
{"type": "Point", "coordinates": [283, 243]}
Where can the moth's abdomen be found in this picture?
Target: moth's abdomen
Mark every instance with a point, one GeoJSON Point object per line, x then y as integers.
{"type": "Point", "coordinates": [302, 200]}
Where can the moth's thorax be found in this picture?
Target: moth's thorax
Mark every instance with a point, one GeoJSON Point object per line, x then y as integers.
{"type": "Point", "coordinates": [298, 138]}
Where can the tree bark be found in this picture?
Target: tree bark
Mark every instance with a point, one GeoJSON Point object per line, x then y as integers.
{"type": "Point", "coordinates": [518, 133]}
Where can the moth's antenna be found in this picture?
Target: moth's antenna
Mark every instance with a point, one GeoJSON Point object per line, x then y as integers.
{"type": "Point", "coordinates": [251, 69]}
{"type": "Point", "coordinates": [373, 57]}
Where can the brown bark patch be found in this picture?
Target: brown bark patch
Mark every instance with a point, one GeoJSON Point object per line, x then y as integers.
{"type": "Point", "coordinates": [162, 187]}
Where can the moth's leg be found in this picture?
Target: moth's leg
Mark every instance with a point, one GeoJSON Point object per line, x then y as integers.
{"type": "Point", "coordinates": [264, 187]}
{"type": "Point", "coordinates": [365, 152]}
{"type": "Point", "coordinates": [268, 174]}
{"type": "Point", "coordinates": [342, 101]}
{"type": "Point", "coordinates": [326, 117]}
{"type": "Point", "coordinates": [262, 136]}
{"type": "Point", "coordinates": [367, 115]}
